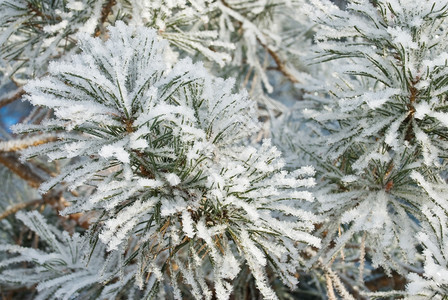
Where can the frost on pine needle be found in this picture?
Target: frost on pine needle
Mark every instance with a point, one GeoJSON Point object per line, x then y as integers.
{"type": "Point", "coordinates": [164, 149]}
{"type": "Point", "coordinates": [185, 24]}
{"type": "Point", "coordinates": [379, 117]}
{"type": "Point", "coordinates": [67, 266]}
{"type": "Point", "coordinates": [394, 70]}
{"type": "Point", "coordinates": [34, 32]}
{"type": "Point", "coordinates": [433, 283]}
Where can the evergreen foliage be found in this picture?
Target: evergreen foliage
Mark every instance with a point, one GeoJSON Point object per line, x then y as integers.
{"type": "Point", "coordinates": [153, 173]}
{"type": "Point", "coordinates": [387, 121]}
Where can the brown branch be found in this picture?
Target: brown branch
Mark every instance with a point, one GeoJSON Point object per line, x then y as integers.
{"type": "Point", "coordinates": [20, 144]}
{"type": "Point", "coordinates": [107, 9]}
{"type": "Point", "coordinates": [39, 13]}
{"type": "Point", "coordinates": [281, 65]}
{"type": "Point", "coordinates": [20, 206]}
{"type": "Point", "coordinates": [53, 198]}
{"type": "Point", "coordinates": [7, 100]}
{"type": "Point", "coordinates": [23, 170]}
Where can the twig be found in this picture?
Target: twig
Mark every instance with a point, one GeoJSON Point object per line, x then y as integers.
{"type": "Point", "coordinates": [107, 9]}
{"type": "Point", "coordinates": [281, 66]}
{"type": "Point", "coordinates": [9, 99]}
{"type": "Point", "coordinates": [49, 198]}
{"type": "Point", "coordinates": [330, 289]}
{"type": "Point", "coordinates": [19, 206]}
{"type": "Point", "coordinates": [342, 249]}
{"type": "Point", "coordinates": [338, 284]}
{"type": "Point", "coordinates": [20, 144]}
{"type": "Point", "coordinates": [362, 258]}
{"type": "Point", "coordinates": [333, 281]}
{"type": "Point", "coordinates": [23, 170]}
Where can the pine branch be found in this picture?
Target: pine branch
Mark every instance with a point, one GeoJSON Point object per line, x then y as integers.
{"type": "Point", "coordinates": [165, 146]}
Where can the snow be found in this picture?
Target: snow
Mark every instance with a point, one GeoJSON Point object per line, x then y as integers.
{"type": "Point", "coordinates": [75, 5]}
{"type": "Point", "coordinates": [57, 27]}
{"type": "Point", "coordinates": [117, 151]}
{"type": "Point", "coordinates": [172, 179]}
{"type": "Point", "coordinates": [187, 223]}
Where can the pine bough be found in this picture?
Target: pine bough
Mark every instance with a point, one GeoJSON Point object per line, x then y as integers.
{"type": "Point", "coordinates": [172, 183]}
{"type": "Point", "coordinates": [376, 130]}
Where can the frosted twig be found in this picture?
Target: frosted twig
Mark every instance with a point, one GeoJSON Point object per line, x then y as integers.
{"type": "Point", "coordinates": [338, 284]}
{"type": "Point", "coordinates": [342, 249]}
{"type": "Point", "coordinates": [281, 66]}
{"type": "Point", "coordinates": [11, 97]}
{"type": "Point", "coordinates": [19, 206]}
{"type": "Point", "coordinates": [23, 170]}
{"type": "Point", "coordinates": [20, 144]}
{"type": "Point", "coordinates": [330, 289]}
{"type": "Point", "coordinates": [383, 295]}
{"type": "Point", "coordinates": [362, 258]}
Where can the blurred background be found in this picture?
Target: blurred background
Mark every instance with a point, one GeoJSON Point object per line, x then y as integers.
{"type": "Point", "coordinates": [11, 113]}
